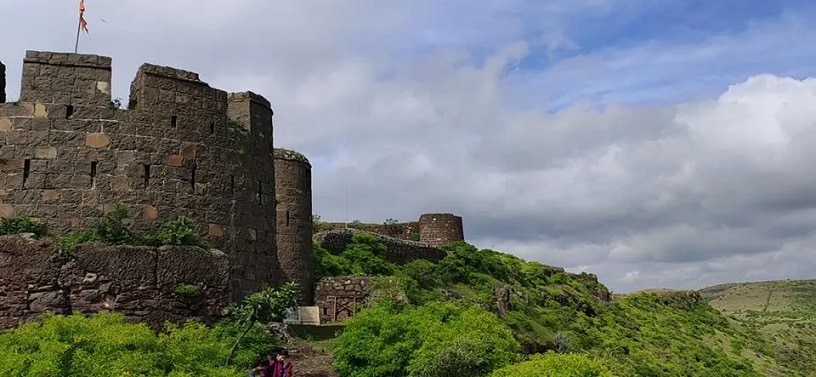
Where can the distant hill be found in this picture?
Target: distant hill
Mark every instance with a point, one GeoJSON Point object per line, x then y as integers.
{"type": "Point", "coordinates": [781, 312]}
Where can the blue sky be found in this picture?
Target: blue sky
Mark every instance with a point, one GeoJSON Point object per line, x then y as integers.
{"type": "Point", "coordinates": [564, 34]}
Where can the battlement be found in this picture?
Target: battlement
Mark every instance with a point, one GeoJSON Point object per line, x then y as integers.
{"type": "Point", "coordinates": [68, 153]}
{"type": "Point", "coordinates": [71, 79]}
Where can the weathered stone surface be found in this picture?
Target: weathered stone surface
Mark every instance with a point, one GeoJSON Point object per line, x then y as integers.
{"type": "Point", "coordinates": [181, 148]}
{"type": "Point", "coordinates": [440, 228]}
{"type": "Point", "coordinates": [139, 282]}
{"type": "Point", "coordinates": [338, 298]}
{"type": "Point", "coordinates": [397, 251]}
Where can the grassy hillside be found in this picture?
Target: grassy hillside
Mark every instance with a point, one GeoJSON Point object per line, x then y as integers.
{"type": "Point", "coordinates": [783, 313]}
{"type": "Point", "coordinates": [533, 317]}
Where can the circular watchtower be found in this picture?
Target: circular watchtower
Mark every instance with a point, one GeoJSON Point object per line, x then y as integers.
{"type": "Point", "coordinates": [440, 228]}
{"type": "Point", "coordinates": [293, 191]}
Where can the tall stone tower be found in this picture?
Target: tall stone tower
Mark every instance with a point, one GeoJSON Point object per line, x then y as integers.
{"type": "Point", "coordinates": [440, 228]}
{"type": "Point", "coordinates": [293, 183]}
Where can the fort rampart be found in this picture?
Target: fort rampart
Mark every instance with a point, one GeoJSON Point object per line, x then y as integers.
{"type": "Point", "coordinates": [397, 251]}
{"type": "Point", "coordinates": [68, 154]}
{"type": "Point", "coordinates": [435, 229]}
{"type": "Point", "coordinates": [139, 282]}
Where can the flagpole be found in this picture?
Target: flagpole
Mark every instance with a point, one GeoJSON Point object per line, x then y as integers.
{"type": "Point", "coordinates": [79, 26]}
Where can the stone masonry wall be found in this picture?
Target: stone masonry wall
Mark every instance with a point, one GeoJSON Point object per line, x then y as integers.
{"type": "Point", "coordinates": [332, 294]}
{"type": "Point", "coordinates": [440, 228]}
{"type": "Point", "coordinates": [139, 282]}
{"type": "Point", "coordinates": [398, 251]}
{"type": "Point", "coordinates": [293, 185]}
{"type": "Point", "coordinates": [67, 156]}
{"type": "Point", "coordinates": [404, 231]}
{"type": "Point", "coordinates": [2, 83]}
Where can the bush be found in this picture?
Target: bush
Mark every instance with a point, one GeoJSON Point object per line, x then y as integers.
{"type": "Point", "coordinates": [556, 365]}
{"type": "Point", "coordinates": [106, 345]}
{"type": "Point", "coordinates": [22, 224]}
{"type": "Point", "coordinates": [437, 339]}
{"type": "Point", "coordinates": [112, 230]}
{"type": "Point", "coordinates": [187, 290]}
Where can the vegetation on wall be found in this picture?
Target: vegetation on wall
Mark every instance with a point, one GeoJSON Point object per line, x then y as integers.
{"type": "Point", "coordinates": [22, 224]}
{"type": "Point", "coordinates": [113, 229]}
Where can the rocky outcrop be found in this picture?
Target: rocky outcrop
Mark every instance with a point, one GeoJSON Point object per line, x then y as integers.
{"type": "Point", "coordinates": [139, 282]}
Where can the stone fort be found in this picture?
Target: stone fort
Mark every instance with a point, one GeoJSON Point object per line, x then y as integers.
{"type": "Point", "coordinates": [69, 154]}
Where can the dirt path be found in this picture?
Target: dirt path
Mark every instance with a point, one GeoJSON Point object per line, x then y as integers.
{"type": "Point", "coordinates": [311, 362]}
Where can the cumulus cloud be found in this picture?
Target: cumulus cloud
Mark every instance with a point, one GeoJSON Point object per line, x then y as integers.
{"type": "Point", "coordinates": [666, 165]}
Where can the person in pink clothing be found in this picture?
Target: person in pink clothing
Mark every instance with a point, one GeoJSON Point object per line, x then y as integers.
{"type": "Point", "coordinates": [274, 366]}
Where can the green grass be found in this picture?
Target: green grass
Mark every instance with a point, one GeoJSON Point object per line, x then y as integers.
{"type": "Point", "coordinates": [779, 312]}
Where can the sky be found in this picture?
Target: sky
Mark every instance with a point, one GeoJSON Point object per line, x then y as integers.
{"type": "Point", "coordinates": [655, 143]}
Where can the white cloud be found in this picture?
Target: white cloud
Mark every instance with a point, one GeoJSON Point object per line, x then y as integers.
{"type": "Point", "coordinates": [412, 109]}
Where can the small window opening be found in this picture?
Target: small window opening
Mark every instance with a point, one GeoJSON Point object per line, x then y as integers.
{"type": "Point", "coordinates": [93, 174]}
{"type": "Point", "coordinates": [232, 182]}
{"type": "Point", "coordinates": [173, 121]}
{"type": "Point", "coordinates": [147, 176]}
{"type": "Point", "coordinates": [193, 178]}
{"type": "Point", "coordinates": [26, 171]}
{"type": "Point", "coordinates": [69, 110]}
{"type": "Point", "coordinates": [212, 128]}
{"type": "Point", "coordinates": [287, 218]}
{"type": "Point", "coordinates": [260, 192]}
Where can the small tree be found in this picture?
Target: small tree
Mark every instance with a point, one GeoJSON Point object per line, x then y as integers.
{"type": "Point", "coordinates": [266, 306]}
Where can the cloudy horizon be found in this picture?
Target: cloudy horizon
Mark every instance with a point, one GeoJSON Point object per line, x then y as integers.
{"type": "Point", "coordinates": [656, 144]}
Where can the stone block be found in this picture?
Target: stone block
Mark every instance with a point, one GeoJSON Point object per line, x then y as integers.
{"type": "Point", "coordinates": [97, 140]}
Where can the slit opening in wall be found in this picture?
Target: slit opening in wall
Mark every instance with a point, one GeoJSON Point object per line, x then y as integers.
{"type": "Point", "coordinates": [146, 176]}
{"type": "Point", "coordinates": [232, 182]}
{"type": "Point", "coordinates": [212, 128]}
{"type": "Point", "coordinates": [93, 174]}
{"type": "Point", "coordinates": [260, 192]}
{"type": "Point", "coordinates": [193, 178]}
{"type": "Point", "coordinates": [69, 110]}
{"type": "Point", "coordinates": [287, 218]}
{"type": "Point", "coordinates": [173, 121]}
{"type": "Point", "coordinates": [26, 170]}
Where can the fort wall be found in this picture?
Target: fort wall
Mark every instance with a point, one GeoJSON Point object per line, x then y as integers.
{"type": "Point", "coordinates": [397, 251]}
{"type": "Point", "coordinates": [139, 282]}
{"type": "Point", "coordinates": [68, 155]}
{"type": "Point", "coordinates": [408, 231]}
{"type": "Point", "coordinates": [293, 180]}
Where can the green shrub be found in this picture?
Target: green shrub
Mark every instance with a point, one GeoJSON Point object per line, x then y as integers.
{"type": "Point", "coordinates": [105, 345]}
{"type": "Point", "coordinates": [179, 232]}
{"type": "Point", "coordinates": [112, 229]}
{"type": "Point", "coordinates": [22, 224]}
{"type": "Point", "coordinates": [440, 338]}
{"type": "Point", "coordinates": [187, 290]}
{"type": "Point", "coordinates": [556, 365]}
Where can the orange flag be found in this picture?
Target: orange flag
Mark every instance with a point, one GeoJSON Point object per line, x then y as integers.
{"type": "Point", "coordinates": [82, 23]}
